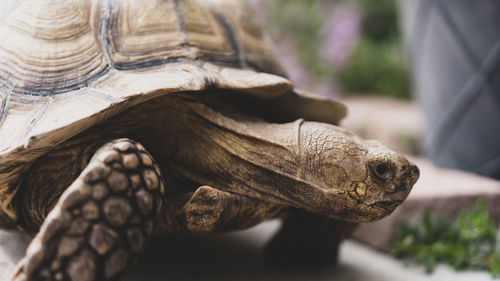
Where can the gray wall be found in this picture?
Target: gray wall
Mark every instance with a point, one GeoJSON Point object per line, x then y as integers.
{"type": "Point", "coordinates": [454, 51]}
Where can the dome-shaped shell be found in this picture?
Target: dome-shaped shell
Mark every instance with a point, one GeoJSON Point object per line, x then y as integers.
{"type": "Point", "coordinates": [66, 65]}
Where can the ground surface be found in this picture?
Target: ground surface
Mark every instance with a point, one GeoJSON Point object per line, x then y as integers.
{"type": "Point", "coordinates": [237, 256]}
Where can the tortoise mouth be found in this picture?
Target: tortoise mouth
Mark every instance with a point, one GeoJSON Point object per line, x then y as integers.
{"type": "Point", "coordinates": [389, 205]}
{"type": "Point", "coordinates": [6, 222]}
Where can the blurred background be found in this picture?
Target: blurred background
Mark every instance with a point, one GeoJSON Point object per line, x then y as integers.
{"type": "Point", "coordinates": [331, 47]}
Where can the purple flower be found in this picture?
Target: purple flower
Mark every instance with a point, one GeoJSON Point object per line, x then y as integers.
{"type": "Point", "coordinates": [254, 3]}
{"type": "Point", "coordinates": [340, 33]}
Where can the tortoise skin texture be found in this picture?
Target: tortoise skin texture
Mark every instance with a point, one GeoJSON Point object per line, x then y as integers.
{"type": "Point", "coordinates": [122, 120]}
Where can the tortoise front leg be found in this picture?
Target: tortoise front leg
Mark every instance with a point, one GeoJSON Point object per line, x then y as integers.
{"type": "Point", "coordinates": [307, 240]}
{"type": "Point", "coordinates": [213, 210]}
{"type": "Point", "coordinates": [101, 222]}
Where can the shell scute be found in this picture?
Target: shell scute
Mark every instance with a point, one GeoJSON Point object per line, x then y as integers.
{"type": "Point", "coordinates": [143, 34]}
{"type": "Point", "coordinates": [49, 47]}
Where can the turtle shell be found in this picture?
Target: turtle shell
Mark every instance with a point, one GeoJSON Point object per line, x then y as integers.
{"type": "Point", "coordinates": [66, 65]}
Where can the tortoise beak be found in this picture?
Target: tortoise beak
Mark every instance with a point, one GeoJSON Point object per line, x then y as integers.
{"type": "Point", "coordinates": [414, 173]}
{"type": "Point", "coordinates": [397, 196]}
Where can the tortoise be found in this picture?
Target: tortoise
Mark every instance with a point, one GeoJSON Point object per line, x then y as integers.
{"type": "Point", "coordinates": [87, 86]}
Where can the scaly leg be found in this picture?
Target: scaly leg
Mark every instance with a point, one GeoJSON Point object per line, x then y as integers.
{"type": "Point", "coordinates": [101, 222]}
{"type": "Point", "coordinates": [212, 210]}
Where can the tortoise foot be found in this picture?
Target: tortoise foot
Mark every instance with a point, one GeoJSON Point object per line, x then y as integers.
{"type": "Point", "coordinates": [307, 240]}
{"type": "Point", "coordinates": [101, 222]}
{"type": "Point", "coordinates": [287, 252]}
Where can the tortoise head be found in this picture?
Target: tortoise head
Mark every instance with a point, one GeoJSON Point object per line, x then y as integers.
{"type": "Point", "coordinates": [353, 179]}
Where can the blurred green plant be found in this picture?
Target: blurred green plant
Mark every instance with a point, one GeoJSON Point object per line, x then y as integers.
{"type": "Point", "coordinates": [471, 242]}
{"type": "Point", "coordinates": [376, 67]}
{"type": "Point", "coordinates": [380, 20]}
{"type": "Point", "coordinates": [377, 64]}
{"type": "Point", "coordinates": [306, 28]}
{"type": "Point", "coordinates": [298, 23]}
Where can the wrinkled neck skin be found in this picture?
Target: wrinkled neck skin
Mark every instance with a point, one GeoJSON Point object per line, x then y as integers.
{"type": "Point", "coordinates": [246, 157]}
{"type": "Point", "coordinates": [276, 163]}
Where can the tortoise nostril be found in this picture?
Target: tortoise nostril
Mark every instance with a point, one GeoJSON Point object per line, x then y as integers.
{"type": "Point", "coordinates": [414, 169]}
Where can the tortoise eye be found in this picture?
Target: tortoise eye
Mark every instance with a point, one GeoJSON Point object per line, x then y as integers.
{"type": "Point", "coordinates": [382, 170]}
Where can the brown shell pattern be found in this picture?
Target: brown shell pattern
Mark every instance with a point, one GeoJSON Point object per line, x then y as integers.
{"type": "Point", "coordinates": [86, 55]}
{"type": "Point", "coordinates": [52, 47]}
